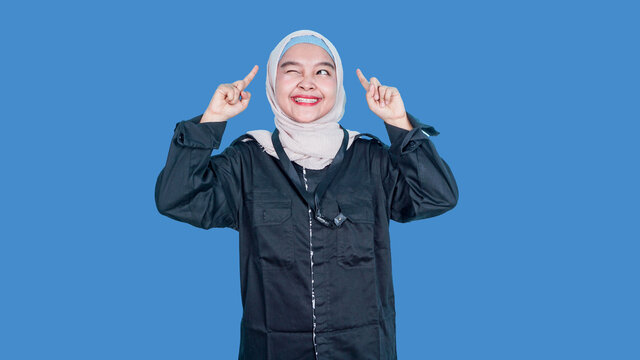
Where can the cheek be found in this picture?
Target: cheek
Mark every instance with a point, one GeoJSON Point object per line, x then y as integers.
{"type": "Point", "coordinates": [281, 94]}
{"type": "Point", "coordinates": [283, 87]}
{"type": "Point", "coordinates": [328, 87]}
{"type": "Point", "coordinates": [331, 91]}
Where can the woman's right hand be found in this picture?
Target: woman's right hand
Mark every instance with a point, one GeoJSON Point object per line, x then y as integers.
{"type": "Point", "coordinates": [225, 102]}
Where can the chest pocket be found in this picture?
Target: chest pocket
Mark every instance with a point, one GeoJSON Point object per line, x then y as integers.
{"type": "Point", "coordinates": [355, 236]}
{"type": "Point", "coordinates": [273, 229]}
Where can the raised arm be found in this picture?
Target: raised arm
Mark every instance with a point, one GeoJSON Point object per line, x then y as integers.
{"type": "Point", "coordinates": [195, 187]}
{"type": "Point", "coordinates": [418, 183]}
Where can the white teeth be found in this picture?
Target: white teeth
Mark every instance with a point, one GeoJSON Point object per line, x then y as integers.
{"type": "Point", "coordinates": [305, 100]}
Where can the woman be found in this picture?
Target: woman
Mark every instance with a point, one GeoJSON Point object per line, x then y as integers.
{"type": "Point", "coordinates": [311, 202]}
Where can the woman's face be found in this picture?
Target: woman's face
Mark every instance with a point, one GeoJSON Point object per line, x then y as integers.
{"type": "Point", "coordinates": [306, 71]}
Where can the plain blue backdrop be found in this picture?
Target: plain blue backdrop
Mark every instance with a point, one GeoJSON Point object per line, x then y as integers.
{"type": "Point", "coordinates": [537, 103]}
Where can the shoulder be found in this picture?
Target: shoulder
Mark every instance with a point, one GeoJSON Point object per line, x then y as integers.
{"type": "Point", "coordinates": [245, 145]}
{"type": "Point", "coordinates": [370, 149]}
{"type": "Point", "coordinates": [243, 139]}
{"type": "Point", "coordinates": [370, 143]}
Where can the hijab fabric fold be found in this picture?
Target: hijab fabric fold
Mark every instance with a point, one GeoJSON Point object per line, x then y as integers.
{"type": "Point", "coordinates": [312, 145]}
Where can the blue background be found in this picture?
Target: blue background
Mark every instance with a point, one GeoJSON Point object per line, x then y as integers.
{"type": "Point", "coordinates": [536, 102]}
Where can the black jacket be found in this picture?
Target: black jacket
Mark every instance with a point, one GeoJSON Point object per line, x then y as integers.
{"type": "Point", "coordinates": [308, 291]}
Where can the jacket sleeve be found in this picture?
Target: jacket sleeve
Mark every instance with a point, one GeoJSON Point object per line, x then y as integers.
{"type": "Point", "coordinates": [195, 187]}
{"type": "Point", "coordinates": [418, 183]}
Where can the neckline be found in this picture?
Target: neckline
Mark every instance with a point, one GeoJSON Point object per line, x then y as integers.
{"type": "Point", "coordinates": [299, 167]}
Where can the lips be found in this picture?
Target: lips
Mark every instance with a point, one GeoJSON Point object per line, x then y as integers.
{"type": "Point", "coordinates": [305, 97]}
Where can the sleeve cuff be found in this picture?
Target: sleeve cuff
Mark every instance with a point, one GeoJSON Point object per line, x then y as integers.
{"type": "Point", "coordinates": [193, 133]}
{"type": "Point", "coordinates": [404, 141]}
{"type": "Point", "coordinates": [395, 133]}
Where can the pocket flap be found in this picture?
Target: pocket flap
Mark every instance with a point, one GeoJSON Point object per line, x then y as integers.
{"type": "Point", "coordinates": [271, 212]}
{"type": "Point", "coordinates": [358, 211]}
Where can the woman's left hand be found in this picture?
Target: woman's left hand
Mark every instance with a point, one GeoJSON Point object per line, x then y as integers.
{"type": "Point", "coordinates": [385, 101]}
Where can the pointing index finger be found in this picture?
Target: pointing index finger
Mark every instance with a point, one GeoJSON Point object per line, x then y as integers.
{"type": "Point", "coordinates": [249, 77]}
{"type": "Point", "coordinates": [363, 80]}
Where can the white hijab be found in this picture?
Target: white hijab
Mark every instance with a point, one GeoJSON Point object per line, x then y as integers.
{"type": "Point", "coordinates": [312, 145]}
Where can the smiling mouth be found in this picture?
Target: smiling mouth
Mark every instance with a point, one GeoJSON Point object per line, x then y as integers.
{"type": "Point", "coordinates": [303, 101]}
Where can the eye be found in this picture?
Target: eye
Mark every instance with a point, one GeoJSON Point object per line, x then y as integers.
{"type": "Point", "coordinates": [324, 71]}
{"type": "Point", "coordinates": [291, 71]}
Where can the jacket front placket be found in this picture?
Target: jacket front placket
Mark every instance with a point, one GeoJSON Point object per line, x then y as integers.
{"type": "Point", "coordinates": [313, 298]}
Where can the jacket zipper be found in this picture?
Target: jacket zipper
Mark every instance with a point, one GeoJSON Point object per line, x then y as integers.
{"type": "Point", "coordinates": [313, 297]}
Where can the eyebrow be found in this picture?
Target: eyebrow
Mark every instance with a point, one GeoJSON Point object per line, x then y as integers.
{"type": "Point", "coordinates": [297, 63]}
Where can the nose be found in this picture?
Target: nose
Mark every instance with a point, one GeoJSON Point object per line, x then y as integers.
{"type": "Point", "coordinates": [307, 83]}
